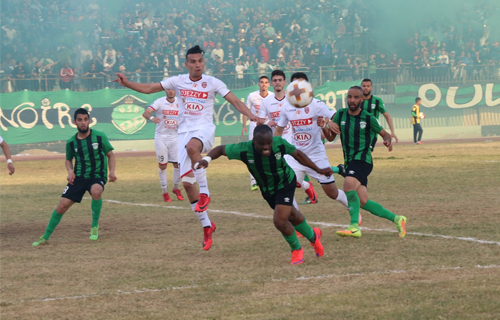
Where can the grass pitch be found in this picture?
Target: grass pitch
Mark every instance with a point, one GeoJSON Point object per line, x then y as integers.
{"type": "Point", "coordinates": [149, 263]}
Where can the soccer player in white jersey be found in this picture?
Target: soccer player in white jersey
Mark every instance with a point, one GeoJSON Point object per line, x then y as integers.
{"type": "Point", "coordinates": [271, 108]}
{"type": "Point", "coordinates": [196, 92]}
{"type": "Point", "coordinates": [254, 100]}
{"type": "Point", "coordinates": [306, 137]}
{"type": "Point", "coordinates": [166, 117]}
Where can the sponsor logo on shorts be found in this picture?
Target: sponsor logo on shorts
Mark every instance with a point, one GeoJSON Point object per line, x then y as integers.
{"type": "Point", "coordinates": [287, 199]}
{"type": "Point", "coordinates": [194, 94]}
{"type": "Point", "coordinates": [351, 171]}
{"type": "Point", "coordinates": [302, 137]}
{"type": "Point", "coordinates": [301, 122]}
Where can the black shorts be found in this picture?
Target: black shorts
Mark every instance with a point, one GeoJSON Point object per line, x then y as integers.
{"type": "Point", "coordinates": [283, 196]}
{"type": "Point", "coordinates": [81, 185]}
{"type": "Point", "coordinates": [359, 170]}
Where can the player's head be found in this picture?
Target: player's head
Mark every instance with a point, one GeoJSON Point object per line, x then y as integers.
{"type": "Point", "coordinates": [195, 62]}
{"type": "Point", "coordinates": [299, 75]}
{"type": "Point", "coordinates": [263, 83]}
{"type": "Point", "coordinates": [82, 120]}
{"type": "Point", "coordinates": [170, 93]}
{"type": "Point", "coordinates": [263, 140]}
{"type": "Point", "coordinates": [366, 86]}
{"type": "Point", "coordinates": [418, 101]}
{"type": "Point", "coordinates": [278, 80]}
{"type": "Point", "coordinates": [354, 98]}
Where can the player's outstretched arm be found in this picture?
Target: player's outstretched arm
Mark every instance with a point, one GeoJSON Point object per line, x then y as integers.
{"type": "Point", "coordinates": [325, 130]}
{"type": "Point", "coordinates": [387, 139]}
{"type": "Point", "coordinates": [391, 126]}
{"type": "Point", "coordinates": [111, 166]}
{"type": "Point", "coordinates": [147, 114]}
{"type": "Point", "coordinates": [304, 160]}
{"type": "Point", "coordinates": [139, 87]}
{"type": "Point", "coordinates": [241, 107]}
{"type": "Point", "coordinates": [213, 154]}
{"type": "Point", "coordinates": [244, 123]}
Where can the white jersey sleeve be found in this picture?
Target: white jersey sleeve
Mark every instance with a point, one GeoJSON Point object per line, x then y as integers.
{"type": "Point", "coordinates": [263, 109]}
{"type": "Point", "coordinates": [248, 103]}
{"type": "Point", "coordinates": [323, 110]}
{"type": "Point", "coordinates": [220, 87]}
{"type": "Point", "coordinates": [169, 83]}
{"type": "Point", "coordinates": [283, 120]}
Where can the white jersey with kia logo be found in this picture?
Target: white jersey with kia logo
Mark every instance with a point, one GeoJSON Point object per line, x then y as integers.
{"type": "Point", "coordinates": [196, 100]}
{"type": "Point", "coordinates": [271, 108]}
{"type": "Point", "coordinates": [306, 134]}
{"type": "Point", "coordinates": [254, 101]}
{"type": "Point", "coordinates": [168, 113]}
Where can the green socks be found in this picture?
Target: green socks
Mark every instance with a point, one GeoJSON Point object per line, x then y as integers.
{"type": "Point", "coordinates": [353, 205]}
{"type": "Point", "coordinates": [335, 169]}
{"type": "Point", "coordinates": [305, 230]}
{"type": "Point", "coordinates": [53, 222]}
{"type": "Point", "coordinates": [306, 178]}
{"type": "Point", "coordinates": [96, 212]}
{"type": "Point", "coordinates": [293, 241]}
{"type": "Point", "coordinates": [376, 209]}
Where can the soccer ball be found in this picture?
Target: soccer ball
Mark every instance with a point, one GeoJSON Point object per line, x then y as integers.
{"type": "Point", "coordinates": [299, 93]}
{"type": "Point", "coordinates": [421, 115]}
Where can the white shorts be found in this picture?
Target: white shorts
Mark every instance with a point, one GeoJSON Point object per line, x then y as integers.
{"type": "Point", "coordinates": [207, 138]}
{"type": "Point", "coordinates": [251, 128]}
{"type": "Point", "coordinates": [301, 171]}
{"type": "Point", "coordinates": [166, 150]}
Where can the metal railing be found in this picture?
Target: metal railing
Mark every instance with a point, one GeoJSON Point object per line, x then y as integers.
{"type": "Point", "coordinates": [385, 79]}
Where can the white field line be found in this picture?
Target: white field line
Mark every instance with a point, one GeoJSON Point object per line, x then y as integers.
{"type": "Point", "coordinates": [324, 224]}
{"type": "Point", "coordinates": [459, 160]}
{"type": "Point", "coordinates": [302, 278]}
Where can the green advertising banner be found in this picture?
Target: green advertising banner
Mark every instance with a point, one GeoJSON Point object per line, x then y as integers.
{"type": "Point", "coordinates": [34, 117]}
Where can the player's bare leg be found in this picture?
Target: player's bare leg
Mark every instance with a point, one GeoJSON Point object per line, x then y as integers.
{"type": "Point", "coordinates": [177, 181]}
{"type": "Point", "coordinates": [194, 148]}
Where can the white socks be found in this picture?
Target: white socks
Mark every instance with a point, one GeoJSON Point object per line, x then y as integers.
{"type": "Point", "coordinates": [177, 178]}
{"type": "Point", "coordinates": [252, 180]}
{"type": "Point", "coordinates": [342, 198]}
{"type": "Point", "coordinates": [203, 216]}
{"type": "Point", "coordinates": [201, 178]}
{"type": "Point", "coordinates": [163, 179]}
{"type": "Point", "coordinates": [305, 185]}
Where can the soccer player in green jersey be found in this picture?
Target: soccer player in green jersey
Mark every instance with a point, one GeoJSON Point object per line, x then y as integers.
{"type": "Point", "coordinates": [375, 106]}
{"type": "Point", "coordinates": [93, 153]}
{"type": "Point", "coordinates": [357, 128]}
{"type": "Point", "coordinates": [264, 157]}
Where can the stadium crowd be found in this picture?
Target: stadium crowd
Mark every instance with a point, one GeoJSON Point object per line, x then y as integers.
{"type": "Point", "coordinates": [80, 45]}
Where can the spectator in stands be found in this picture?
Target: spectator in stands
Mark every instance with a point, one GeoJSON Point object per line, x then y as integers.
{"type": "Point", "coordinates": [66, 73]}
{"type": "Point", "coordinates": [19, 76]}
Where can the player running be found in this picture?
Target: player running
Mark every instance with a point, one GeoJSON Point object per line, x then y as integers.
{"type": "Point", "coordinates": [93, 153]}
{"type": "Point", "coordinates": [264, 157]}
{"type": "Point", "coordinates": [306, 137]}
{"type": "Point", "coordinates": [254, 101]}
{"type": "Point", "coordinates": [167, 121]}
{"type": "Point", "coordinates": [270, 108]}
{"type": "Point", "coordinates": [196, 92]}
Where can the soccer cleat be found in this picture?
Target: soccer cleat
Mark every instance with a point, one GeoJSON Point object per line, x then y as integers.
{"type": "Point", "coordinates": [341, 170]}
{"type": "Point", "coordinates": [207, 236]}
{"type": "Point", "coordinates": [94, 233]}
{"type": "Point", "coordinates": [352, 231]}
{"type": "Point", "coordinates": [400, 222]}
{"type": "Point", "coordinates": [297, 256]}
{"type": "Point", "coordinates": [318, 247]}
{"type": "Point", "coordinates": [166, 197]}
{"type": "Point", "coordinates": [202, 203]}
{"type": "Point", "coordinates": [307, 201]}
{"type": "Point", "coordinates": [299, 235]}
{"type": "Point", "coordinates": [178, 194]}
{"type": "Point", "coordinates": [40, 241]}
{"type": "Point", "coordinates": [360, 219]}
{"type": "Point", "coordinates": [313, 197]}
{"type": "Point", "coordinates": [254, 187]}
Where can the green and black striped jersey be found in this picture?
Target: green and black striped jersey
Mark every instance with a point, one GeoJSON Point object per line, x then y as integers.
{"type": "Point", "coordinates": [374, 105]}
{"type": "Point", "coordinates": [357, 133]}
{"type": "Point", "coordinates": [90, 155]}
{"type": "Point", "coordinates": [272, 173]}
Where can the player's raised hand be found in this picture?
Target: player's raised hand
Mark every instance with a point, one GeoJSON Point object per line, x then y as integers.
{"type": "Point", "coordinates": [71, 177]}
{"type": "Point", "coordinates": [388, 144]}
{"type": "Point", "coordinates": [321, 121]}
{"type": "Point", "coordinates": [112, 177]}
{"type": "Point", "coordinates": [395, 137]}
{"type": "Point", "coordinates": [11, 168]}
{"type": "Point", "coordinates": [272, 123]}
{"type": "Point", "coordinates": [120, 78]}
{"type": "Point", "coordinates": [156, 120]}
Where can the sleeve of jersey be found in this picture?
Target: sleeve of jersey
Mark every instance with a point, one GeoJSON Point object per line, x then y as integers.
{"type": "Point", "coordinates": [282, 120]}
{"type": "Point", "coordinates": [233, 151]}
{"type": "Point", "coordinates": [289, 148]}
{"type": "Point", "coordinates": [375, 125]}
{"type": "Point", "coordinates": [168, 83]}
{"type": "Point", "coordinates": [70, 153]}
{"type": "Point", "coordinates": [325, 111]}
{"type": "Point", "coordinates": [263, 109]}
{"type": "Point", "coordinates": [220, 87]}
{"type": "Point", "coordinates": [106, 145]}
{"type": "Point", "coordinates": [249, 102]}
{"type": "Point", "coordinates": [381, 106]}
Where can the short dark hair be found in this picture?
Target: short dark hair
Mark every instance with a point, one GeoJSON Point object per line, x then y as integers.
{"type": "Point", "coordinates": [80, 111]}
{"type": "Point", "coordinates": [194, 50]}
{"type": "Point", "coordinates": [278, 73]}
{"type": "Point", "coordinates": [417, 99]}
{"type": "Point", "coordinates": [356, 87]}
{"type": "Point", "coordinates": [299, 75]}
{"type": "Point", "coordinates": [263, 77]}
{"type": "Point", "coordinates": [366, 80]}
{"type": "Point", "coordinates": [262, 129]}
